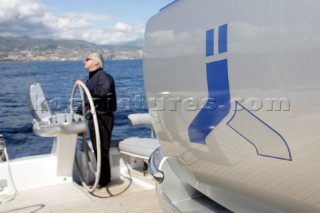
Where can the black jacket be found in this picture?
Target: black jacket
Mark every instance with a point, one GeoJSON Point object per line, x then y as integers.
{"type": "Point", "coordinates": [102, 89]}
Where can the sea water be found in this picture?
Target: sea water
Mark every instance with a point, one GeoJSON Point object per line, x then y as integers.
{"type": "Point", "coordinates": [57, 80]}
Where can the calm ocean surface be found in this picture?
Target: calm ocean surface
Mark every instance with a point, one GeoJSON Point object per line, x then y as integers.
{"type": "Point", "coordinates": [57, 80]}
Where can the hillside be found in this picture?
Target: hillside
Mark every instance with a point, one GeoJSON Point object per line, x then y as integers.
{"type": "Point", "coordinates": [31, 49]}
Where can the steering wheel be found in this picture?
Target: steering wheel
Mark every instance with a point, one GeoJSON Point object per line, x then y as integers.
{"type": "Point", "coordinates": [82, 87]}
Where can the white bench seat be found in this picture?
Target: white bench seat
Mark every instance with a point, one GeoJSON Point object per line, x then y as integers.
{"type": "Point", "coordinates": [138, 147]}
{"type": "Point", "coordinates": [135, 146]}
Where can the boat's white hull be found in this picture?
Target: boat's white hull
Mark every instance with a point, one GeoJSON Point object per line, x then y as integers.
{"type": "Point", "coordinates": [260, 153]}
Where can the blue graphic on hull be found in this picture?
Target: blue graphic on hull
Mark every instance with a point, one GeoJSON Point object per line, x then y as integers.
{"type": "Point", "coordinates": [223, 34]}
{"type": "Point", "coordinates": [210, 43]}
{"type": "Point", "coordinates": [266, 140]}
{"type": "Point", "coordinates": [218, 91]}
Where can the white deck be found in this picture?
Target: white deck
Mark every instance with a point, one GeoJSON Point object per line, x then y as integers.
{"type": "Point", "coordinates": [126, 195]}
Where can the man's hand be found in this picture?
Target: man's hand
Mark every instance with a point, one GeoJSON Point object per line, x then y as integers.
{"type": "Point", "coordinates": [78, 82]}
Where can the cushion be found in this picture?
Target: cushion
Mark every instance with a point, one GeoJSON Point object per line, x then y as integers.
{"type": "Point", "coordinates": [141, 147]}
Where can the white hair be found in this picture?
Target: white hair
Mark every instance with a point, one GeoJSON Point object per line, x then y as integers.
{"type": "Point", "coordinates": [97, 57]}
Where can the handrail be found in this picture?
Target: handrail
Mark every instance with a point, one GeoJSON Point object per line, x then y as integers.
{"type": "Point", "coordinates": [157, 174]}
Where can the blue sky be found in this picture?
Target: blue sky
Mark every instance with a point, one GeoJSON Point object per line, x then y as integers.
{"type": "Point", "coordinates": [127, 11]}
{"type": "Point", "coordinates": [97, 21]}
